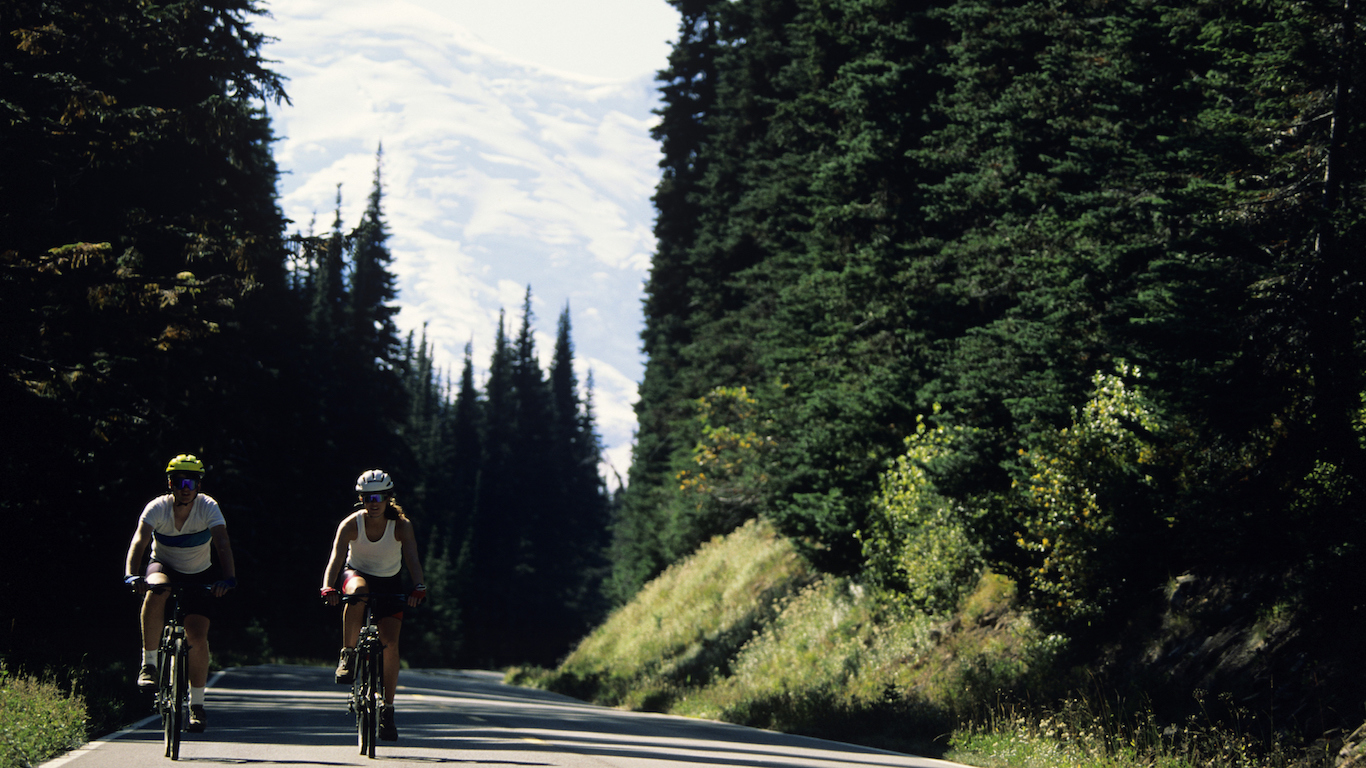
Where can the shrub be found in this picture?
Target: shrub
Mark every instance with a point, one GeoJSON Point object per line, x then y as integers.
{"type": "Point", "coordinates": [918, 540]}
{"type": "Point", "coordinates": [725, 481]}
{"type": "Point", "coordinates": [1088, 484]}
{"type": "Point", "coordinates": [37, 720]}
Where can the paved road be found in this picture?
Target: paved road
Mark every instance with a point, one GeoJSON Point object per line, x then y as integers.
{"type": "Point", "coordinates": [283, 715]}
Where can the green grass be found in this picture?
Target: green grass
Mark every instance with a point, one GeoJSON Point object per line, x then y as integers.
{"type": "Point", "coordinates": [38, 720]}
{"type": "Point", "coordinates": [1085, 733]}
{"type": "Point", "coordinates": [682, 631]}
{"type": "Point", "coordinates": [744, 631]}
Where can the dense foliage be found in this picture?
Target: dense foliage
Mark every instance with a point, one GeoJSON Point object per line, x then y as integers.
{"type": "Point", "coordinates": [38, 719]}
{"type": "Point", "coordinates": [154, 305]}
{"type": "Point", "coordinates": [1063, 287]}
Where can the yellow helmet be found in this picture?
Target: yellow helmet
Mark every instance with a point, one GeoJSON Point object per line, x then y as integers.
{"type": "Point", "coordinates": [185, 463]}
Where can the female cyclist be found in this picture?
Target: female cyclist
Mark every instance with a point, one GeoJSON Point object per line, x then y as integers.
{"type": "Point", "coordinates": [371, 547]}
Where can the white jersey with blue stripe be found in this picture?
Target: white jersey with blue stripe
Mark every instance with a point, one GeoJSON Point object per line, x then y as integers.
{"type": "Point", "coordinates": [185, 549]}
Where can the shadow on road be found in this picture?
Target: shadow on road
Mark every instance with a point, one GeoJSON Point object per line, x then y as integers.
{"type": "Point", "coordinates": [256, 713]}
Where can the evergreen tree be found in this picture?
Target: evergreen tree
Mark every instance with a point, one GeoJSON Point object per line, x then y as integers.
{"type": "Point", "coordinates": [577, 540]}
{"type": "Point", "coordinates": [538, 510]}
{"type": "Point", "coordinates": [788, 254]}
{"type": "Point", "coordinates": [137, 218]}
{"type": "Point", "coordinates": [328, 313]}
{"type": "Point", "coordinates": [423, 434]}
{"type": "Point", "coordinates": [1281, 87]}
{"type": "Point", "coordinates": [491, 552]}
{"type": "Point", "coordinates": [374, 335]}
{"type": "Point", "coordinates": [462, 435]}
{"type": "Point", "coordinates": [688, 91]}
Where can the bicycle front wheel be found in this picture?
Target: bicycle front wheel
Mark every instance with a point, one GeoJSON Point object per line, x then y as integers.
{"type": "Point", "coordinates": [360, 694]}
{"type": "Point", "coordinates": [164, 694]}
{"type": "Point", "coordinates": [179, 689]}
{"type": "Point", "coordinates": [376, 676]}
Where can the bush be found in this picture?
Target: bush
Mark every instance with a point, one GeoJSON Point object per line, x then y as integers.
{"type": "Point", "coordinates": [725, 481]}
{"type": "Point", "coordinates": [1090, 486]}
{"type": "Point", "coordinates": [918, 541]}
{"type": "Point", "coordinates": [37, 720]}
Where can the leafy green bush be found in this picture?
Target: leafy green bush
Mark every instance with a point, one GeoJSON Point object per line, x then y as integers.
{"type": "Point", "coordinates": [37, 720]}
{"type": "Point", "coordinates": [725, 480]}
{"type": "Point", "coordinates": [1087, 484]}
{"type": "Point", "coordinates": [917, 540]}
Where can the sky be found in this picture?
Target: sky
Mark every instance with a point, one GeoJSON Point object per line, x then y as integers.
{"type": "Point", "coordinates": [515, 153]}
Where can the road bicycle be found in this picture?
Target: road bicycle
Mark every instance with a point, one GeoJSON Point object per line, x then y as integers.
{"type": "Point", "coordinates": [173, 672]}
{"type": "Point", "coordinates": [367, 685]}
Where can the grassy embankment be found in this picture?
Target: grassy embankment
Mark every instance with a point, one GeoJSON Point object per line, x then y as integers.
{"type": "Point", "coordinates": [745, 632]}
{"type": "Point", "coordinates": [38, 720]}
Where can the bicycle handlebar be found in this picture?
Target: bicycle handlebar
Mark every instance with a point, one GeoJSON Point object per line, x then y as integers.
{"type": "Point", "coordinates": [365, 597]}
{"type": "Point", "coordinates": [361, 597]}
{"type": "Point", "coordinates": [157, 589]}
{"type": "Point", "coordinates": [137, 583]}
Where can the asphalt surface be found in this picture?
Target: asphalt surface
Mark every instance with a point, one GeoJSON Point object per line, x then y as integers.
{"type": "Point", "coordinates": [296, 716]}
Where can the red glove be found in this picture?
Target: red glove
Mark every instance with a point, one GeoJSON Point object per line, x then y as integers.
{"type": "Point", "coordinates": [419, 593]}
{"type": "Point", "coordinates": [327, 592]}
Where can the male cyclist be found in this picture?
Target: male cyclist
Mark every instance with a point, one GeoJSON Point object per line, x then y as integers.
{"type": "Point", "coordinates": [182, 527]}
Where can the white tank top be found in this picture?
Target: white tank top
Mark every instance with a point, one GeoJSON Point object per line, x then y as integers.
{"type": "Point", "coordinates": [377, 558]}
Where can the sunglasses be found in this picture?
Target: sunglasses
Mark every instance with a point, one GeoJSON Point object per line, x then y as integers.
{"type": "Point", "coordinates": [184, 483]}
{"type": "Point", "coordinates": [371, 498]}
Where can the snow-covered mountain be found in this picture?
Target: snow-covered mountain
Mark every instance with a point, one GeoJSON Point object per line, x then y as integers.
{"type": "Point", "coordinates": [498, 173]}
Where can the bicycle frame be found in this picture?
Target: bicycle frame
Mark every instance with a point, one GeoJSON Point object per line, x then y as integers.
{"type": "Point", "coordinates": [173, 676]}
{"type": "Point", "coordinates": [172, 687]}
{"type": "Point", "coordinates": [367, 686]}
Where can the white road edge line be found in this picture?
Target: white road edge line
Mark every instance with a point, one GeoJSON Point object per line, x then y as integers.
{"type": "Point", "coordinates": [94, 744]}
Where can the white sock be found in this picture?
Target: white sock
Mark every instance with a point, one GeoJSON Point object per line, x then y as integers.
{"type": "Point", "coordinates": [149, 658]}
{"type": "Point", "coordinates": [196, 697]}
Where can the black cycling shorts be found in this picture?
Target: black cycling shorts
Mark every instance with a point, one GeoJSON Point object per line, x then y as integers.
{"type": "Point", "coordinates": [196, 601]}
{"type": "Point", "coordinates": [386, 606]}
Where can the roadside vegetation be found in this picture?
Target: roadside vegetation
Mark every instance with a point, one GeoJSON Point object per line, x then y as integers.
{"type": "Point", "coordinates": [746, 631]}
{"type": "Point", "coordinates": [1047, 300]}
{"type": "Point", "coordinates": [1087, 733]}
{"type": "Point", "coordinates": [39, 719]}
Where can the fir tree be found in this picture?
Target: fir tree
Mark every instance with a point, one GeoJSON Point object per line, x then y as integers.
{"type": "Point", "coordinates": [491, 551]}
{"type": "Point", "coordinates": [578, 547]}
{"type": "Point", "coordinates": [328, 314]}
{"type": "Point", "coordinates": [372, 290]}
{"type": "Point", "coordinates": [688, 91]}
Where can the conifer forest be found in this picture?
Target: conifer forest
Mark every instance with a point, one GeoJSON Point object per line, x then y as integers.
{"type": "Point", "coordinates": [1068, 290]}
{"type": "Point", "coordinates": [157, 302]}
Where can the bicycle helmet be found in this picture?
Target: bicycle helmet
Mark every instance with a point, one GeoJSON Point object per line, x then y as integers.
{"type": "Point", "coordinates": [374, 481]}
{"type": "Point", "coordinates": [187, 464]}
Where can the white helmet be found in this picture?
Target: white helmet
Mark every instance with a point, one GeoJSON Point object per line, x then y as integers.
{"type": "Point", "coordinates": [374, 481]}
